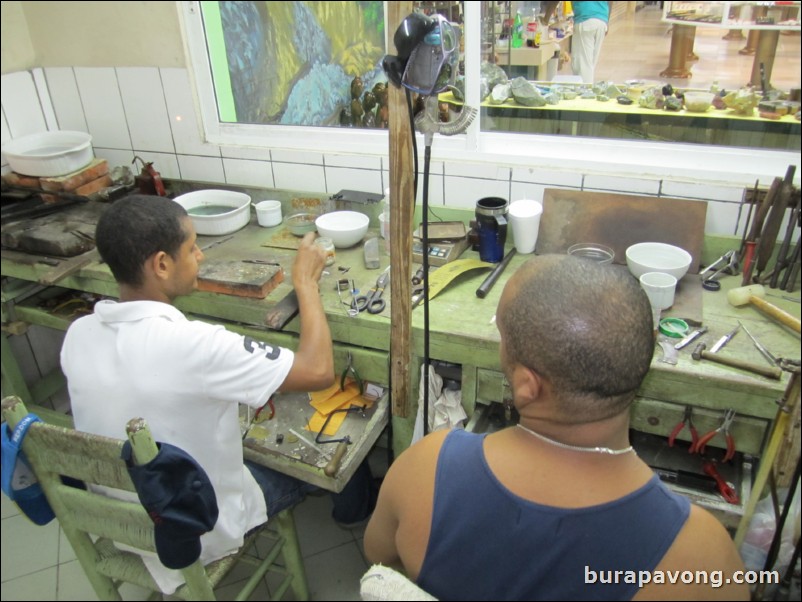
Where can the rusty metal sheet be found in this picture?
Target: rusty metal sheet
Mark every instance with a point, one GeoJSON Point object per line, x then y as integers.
{"type": "Point", "coordinates": [618, 221]}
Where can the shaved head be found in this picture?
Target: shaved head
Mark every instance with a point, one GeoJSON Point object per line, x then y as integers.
{"type": "Point", "coordinates": [585, 327]}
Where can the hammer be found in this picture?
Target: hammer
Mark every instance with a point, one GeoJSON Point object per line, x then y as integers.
{"type": "Point", "coordinates": [769, 372]}
{"type": "Point", "coordinates": [754, 294]}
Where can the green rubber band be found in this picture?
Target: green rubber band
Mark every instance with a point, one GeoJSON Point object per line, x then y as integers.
{"type": "Point", "coordinates": [675, 328]}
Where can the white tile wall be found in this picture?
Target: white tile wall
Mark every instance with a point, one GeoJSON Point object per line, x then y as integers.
{"type": "Point", "coordinates": [562, 179]}
{"type": "Point", "coordinates": [66, 98]}
{"type": "Point", "coordinates": [145, 109]}
{"type": "Point", "coordinates": [103, 107]}
{"type": "Point", "coordinates": [249, 173]}
{"type": "Point", "coordinates": [625, 185]}
{"type": "Point", "coordinates": [183, 120]}
{"type": "Point", "coordinates": [202, 169]}
{"type": "Point", "coordinates": [299, 176]}
{"type": "Point", "coordinates": [340, 178]}
{"type": "Point", "coordinates": [21, 107]}
{"type": "Point", "coordinates": [40, 82]}
{"type": "Point", "coordinates": [150, 112]}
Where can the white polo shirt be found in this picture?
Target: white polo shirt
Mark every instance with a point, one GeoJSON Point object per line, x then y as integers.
{"type": "Point", "coordinates": [185, 378]}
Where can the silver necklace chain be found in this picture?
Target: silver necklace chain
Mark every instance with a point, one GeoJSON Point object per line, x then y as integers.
{"type": "Point", "coordinates": [592, 450]}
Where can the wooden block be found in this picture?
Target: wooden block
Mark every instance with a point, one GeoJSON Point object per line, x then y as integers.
{"type": "Point", "coordinates": [17, 179]}
{"type": "Point", "coordinates": [239, 278]}
{"type": "Point", "coordinates": [85, 190]}
{"type": "Point", "coordinates": [76, 179]}
{"type": "Point", "coordinates": [94, 186]}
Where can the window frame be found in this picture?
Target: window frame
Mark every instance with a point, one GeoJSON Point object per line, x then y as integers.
{"type": "Point", "coordinates": [692, 162]}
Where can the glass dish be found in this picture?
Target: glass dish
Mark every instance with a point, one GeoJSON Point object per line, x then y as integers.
{"type": "Point", "coordinates": [596, 252]}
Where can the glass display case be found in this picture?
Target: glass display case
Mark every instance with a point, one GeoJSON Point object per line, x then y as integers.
{"type": "Point", "coordinates": [734, 15]}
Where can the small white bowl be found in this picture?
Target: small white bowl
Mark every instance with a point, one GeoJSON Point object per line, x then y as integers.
{"type": "Point", "coordinates": [658, 257]}
{"type": "Point", "coordinates": [216, 220]}
{"type": "Point", "coordinates": [344, 228]}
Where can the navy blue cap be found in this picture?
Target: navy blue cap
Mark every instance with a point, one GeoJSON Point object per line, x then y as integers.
{"type": "Point", "coordinates": [18, 480]}
{"type": "Point", "coordinates": [180, 499]}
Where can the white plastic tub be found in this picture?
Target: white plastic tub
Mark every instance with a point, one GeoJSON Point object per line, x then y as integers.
{"type": "Point", "coordinates": [223, 222]}
{"type": "Point", "coordinates": [49, 154]}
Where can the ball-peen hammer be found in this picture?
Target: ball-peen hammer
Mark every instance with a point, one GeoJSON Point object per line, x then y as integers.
{"type": "Point", "coordinates": [769, 372]}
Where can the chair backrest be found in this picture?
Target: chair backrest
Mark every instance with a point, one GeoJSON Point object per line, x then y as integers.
{"type": "Point", "coordinates": [91, 520]}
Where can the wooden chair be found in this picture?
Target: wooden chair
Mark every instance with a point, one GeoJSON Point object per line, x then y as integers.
{"type": "Point", "coordinates": [93, 522]}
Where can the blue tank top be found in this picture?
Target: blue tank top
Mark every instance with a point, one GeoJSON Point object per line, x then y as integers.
{"type": "Point", "coordinates": [488, 544]}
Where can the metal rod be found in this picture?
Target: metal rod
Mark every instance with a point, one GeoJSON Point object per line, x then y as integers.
{"type": "Point", "coordinates": [482, 291]}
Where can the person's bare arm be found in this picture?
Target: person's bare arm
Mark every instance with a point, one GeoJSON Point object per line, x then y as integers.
{"type": "Point", "coordinates": [703, 546]}
{"type": "Point", "coordinates": [398, 531]}
{"type": "Point", "coordinates": [313, 367]}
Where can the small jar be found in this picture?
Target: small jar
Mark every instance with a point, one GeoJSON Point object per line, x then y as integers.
{"type": "Point", "coordinates": [327, 245]}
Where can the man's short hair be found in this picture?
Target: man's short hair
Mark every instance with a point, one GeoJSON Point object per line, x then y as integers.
{"type": "Point", "coordinates": [585, 327]}
{"type": "Point", "coordinates": [133, 229]}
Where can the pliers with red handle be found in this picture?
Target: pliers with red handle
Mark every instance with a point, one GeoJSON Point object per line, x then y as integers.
{"type": "Point", "coordinates": [724, 429]}
{"type": "Point", "coordinates": [724, 488]}
{"type": "Point", "coordinates": [686, 420]}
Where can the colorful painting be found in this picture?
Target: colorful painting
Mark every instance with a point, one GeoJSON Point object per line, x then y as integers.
{"type": "Point", "coordinates": [294, 63]}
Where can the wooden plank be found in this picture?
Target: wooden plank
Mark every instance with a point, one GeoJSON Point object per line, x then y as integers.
{"type": "Point", "coordinates": [620, 220]}
{"type": "Point", "coordinates": [284, 311]}
{"type": "Point", "coordinates": [402, 207]}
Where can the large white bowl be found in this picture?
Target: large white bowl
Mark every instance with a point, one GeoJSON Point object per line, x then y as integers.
{"type": "Point", "coordinates": [658, 257]}
{"type": "Point", "coordinates": [49, 154]}
{"type": "Point", "coordinates": [221, 222]}
{"type": "Point", "coordinates": [344, 228]}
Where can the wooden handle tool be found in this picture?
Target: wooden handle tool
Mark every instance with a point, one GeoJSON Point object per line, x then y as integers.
{"type": "Point", "coordinates": [333, 467]}
{"type": "Point", "coordinates": [769, 372]}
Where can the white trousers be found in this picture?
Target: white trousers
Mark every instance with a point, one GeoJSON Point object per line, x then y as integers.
{"type": "Point", "coordinates": [586, 47]}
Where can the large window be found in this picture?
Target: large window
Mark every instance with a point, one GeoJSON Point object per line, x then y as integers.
{"type": "Point", "coordinates": [264, 69]}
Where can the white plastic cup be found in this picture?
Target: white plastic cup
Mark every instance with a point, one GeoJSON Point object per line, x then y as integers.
{"type": "Point", "coordinates": [384, 225]}
{"type": "Point", "coordinates": [268, 213]}
{"type": "Point", "coordinates": [660, 288]}
{"type": "Point", "coordinates": [524, 217]}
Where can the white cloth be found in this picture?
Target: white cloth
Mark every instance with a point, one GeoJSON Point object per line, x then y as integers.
{"type": "Point", "coordinates": [586, 47]}
{"type": "Point", "coordinates": [445, 407]}
{"type": "Point", "coordinates": [383, 583]}
{"type": "Point", "coordinates": [185, 378]}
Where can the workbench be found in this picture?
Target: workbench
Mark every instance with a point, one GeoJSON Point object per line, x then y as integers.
{"type": "Point", "coordinates": [463, 333]}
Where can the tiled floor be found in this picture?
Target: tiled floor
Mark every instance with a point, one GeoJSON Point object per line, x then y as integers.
{"type": "Point", "coordinates": [39, 564]}
{"type": "Point", "coordinates": [638, 48]}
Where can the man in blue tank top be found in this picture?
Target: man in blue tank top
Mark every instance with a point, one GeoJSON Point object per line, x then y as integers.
{"type": "Point", "coordinates": [558, 507]}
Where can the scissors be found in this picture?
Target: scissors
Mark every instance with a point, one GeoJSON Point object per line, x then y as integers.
{"type": "Point", "coordinates": [372, 302]}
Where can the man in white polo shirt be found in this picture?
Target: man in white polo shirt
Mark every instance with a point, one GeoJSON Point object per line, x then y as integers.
{"type": "Point", "coordinates": [141, 357]}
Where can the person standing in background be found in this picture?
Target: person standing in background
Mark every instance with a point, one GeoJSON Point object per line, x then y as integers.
{"type": "Point", "coordinates": [590, 27]}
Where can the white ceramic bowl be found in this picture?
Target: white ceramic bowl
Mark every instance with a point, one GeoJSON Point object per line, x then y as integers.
{"type": "Point", "coordinates": [216, 212]}
{"type": "Point", "coordinates": [49, 154]}
{"type": "Point", "coordinates": [344, 228]}
{"type": "Point", "coordinates": [658, 257]}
